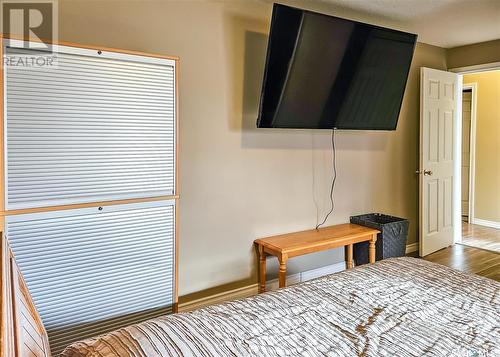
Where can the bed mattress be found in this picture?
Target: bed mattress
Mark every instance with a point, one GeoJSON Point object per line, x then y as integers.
{"type": "Point", "coordinates": [396, 307]}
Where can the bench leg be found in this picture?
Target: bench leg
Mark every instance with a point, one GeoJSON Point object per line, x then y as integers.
{"type": "Point", "coordinates": [282, 273]}
{"type": "Point", "coordinates": [262, 270]}
{"type": "Point", "coordinates": [372, 248]}
{"type": "Point", "coordinates": [349, 256]}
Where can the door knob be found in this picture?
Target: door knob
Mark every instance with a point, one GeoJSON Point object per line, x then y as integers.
{"type": "Point", "coordinates": [425, 172]}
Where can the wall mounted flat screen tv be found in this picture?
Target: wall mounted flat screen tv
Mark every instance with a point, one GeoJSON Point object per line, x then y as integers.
{"type": "Point", "coordinates": [324, 72]}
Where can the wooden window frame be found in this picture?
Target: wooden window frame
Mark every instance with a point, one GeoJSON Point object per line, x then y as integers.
{"type": "Point", "coordinates": [4, 212]}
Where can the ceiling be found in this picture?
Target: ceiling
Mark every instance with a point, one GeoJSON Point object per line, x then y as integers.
{"type": "Point", "coordinates": [444, 23]}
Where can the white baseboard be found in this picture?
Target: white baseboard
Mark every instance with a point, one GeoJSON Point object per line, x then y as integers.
{"type": "Point", "coordinates": [291, 279]}
{"type": "Point", "coordinates": [250, 290]}
{"type": "Point", "coordinates": [410, 248]}
{"type": "Point", "coordinates": [239, 293]}
{"type": "Point", "coordinates": [329, 269]}
{"type": "Point", "coordinates": [307, 275]}
{"type": "Point", "coordinates": [483, 222]}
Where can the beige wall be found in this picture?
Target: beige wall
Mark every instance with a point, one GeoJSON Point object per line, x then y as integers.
{"type": "Point", "coordinates": [487, 178]}
{"type": "Point", "coordinates": [238, 183]}
{"type": "Point", "coordinates": [479, 53]}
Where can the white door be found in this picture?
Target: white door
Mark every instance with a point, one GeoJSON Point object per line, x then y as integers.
{"type": "Point", "coordinates": [438, 123]}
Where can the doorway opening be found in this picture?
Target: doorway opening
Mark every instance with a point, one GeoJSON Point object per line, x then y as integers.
{"type": "Point", "coordinates": [459, 170]}
{"type": "Point", "coordinates": [480, 164]}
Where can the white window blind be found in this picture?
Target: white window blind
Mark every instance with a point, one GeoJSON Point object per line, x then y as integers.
{"type": "Point", "coordinates": [94, 128]}
{"type": "Point", "coordinates": [99, 126]}
{"type": "Point", "coordinates": [91, 271]}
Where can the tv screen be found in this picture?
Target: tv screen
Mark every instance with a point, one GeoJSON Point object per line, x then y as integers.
{"type": "Point", "coordinates": [324, 72]}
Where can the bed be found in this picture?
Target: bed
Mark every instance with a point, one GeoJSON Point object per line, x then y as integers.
{"type": "Point", "coordinates": [395, 307]}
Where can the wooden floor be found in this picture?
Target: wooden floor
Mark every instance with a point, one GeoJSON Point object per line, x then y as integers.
{"type": "Point", "coordinates": [468, 259]}
{"type": "Point", "coordinates": [481, 237]}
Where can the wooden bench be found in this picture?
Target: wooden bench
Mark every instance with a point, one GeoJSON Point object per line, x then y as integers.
{"type": "Point", "coordinates": [291, 245]}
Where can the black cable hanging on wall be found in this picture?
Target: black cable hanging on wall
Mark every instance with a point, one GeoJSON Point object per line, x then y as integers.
{"type": "Point", "coordinates": [334, 178]}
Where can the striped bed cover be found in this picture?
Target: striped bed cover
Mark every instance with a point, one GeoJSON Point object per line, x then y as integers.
{"type": "Point", "coordinates": [396, 307]}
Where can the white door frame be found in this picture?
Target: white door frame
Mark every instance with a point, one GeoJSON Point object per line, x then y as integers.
{"type": "Point", "coordinates": [476, 68]}
{"type": "Point", "coordinates": [472, 148]}
{"type": "Point", "coordinates": [457, 168]}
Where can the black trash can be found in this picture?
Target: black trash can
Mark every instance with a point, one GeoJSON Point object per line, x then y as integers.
{"type": "Point", "coordinates": [391, 242]}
